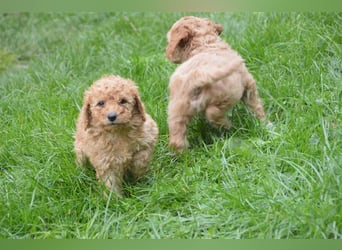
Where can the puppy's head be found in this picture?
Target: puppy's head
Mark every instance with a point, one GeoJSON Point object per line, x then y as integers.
{"type": "Point", "coordinates": [113, 102]}
{"type": "Point", "coordinates": [188, 33]}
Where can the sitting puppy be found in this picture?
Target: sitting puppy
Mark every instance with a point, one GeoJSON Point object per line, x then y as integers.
{"type": "Point", "coordinates": [114, 133]}
{"type": "Point", "coordinates": [211, 79]}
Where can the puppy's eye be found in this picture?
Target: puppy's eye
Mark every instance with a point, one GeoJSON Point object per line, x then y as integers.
{"type": "Point", "coordinates": [123, 101]}
{"type": "Point", "coordinates": [100, 103]}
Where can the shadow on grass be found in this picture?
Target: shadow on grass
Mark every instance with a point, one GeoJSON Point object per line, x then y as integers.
{"type": "Point", "coordinates": [201, 132]}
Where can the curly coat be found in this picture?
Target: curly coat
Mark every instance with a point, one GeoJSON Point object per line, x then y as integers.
{"type": "Point", "coordinates": [114, 132]}
{"type": "Point", "coordinates": [211, 78]}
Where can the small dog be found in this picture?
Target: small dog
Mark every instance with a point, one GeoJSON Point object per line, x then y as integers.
{"type": "Point", "coordinates": [211, 79]}
{"type": "Point", "coordinates": [114, 133]}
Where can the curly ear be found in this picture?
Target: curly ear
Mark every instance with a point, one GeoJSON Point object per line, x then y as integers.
{"type": "Point", "coordinates": [139, 108]}
{"type": "Point", "coordinates": [88, 116]}
{"type": "Point", "coordinates": [85, 114]}
{"type": "Point", "coordinates": [218, 28]}
{"type": "Point", "coordinates": [180, 38]}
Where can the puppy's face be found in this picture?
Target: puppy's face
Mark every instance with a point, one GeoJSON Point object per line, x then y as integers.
{"type": "Point", "coordinates": [182, 34]}
{"type": "Point", "coordinates": [113, 102]}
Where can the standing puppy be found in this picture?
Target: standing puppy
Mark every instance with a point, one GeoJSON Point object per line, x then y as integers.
{"type": "Point", "coordinates": [113, 131]}
{"type": "Point", "coordinates": [211, 79]}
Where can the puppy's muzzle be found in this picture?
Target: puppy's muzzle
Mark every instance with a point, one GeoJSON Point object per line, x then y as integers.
{"type": "Point", "coordinates": [112, 116]}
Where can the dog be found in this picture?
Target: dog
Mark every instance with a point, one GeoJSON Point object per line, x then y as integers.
{"type": "Point", "coordinates": [114, 133]}
{"type": "Point", "coordinates": [210, 79]}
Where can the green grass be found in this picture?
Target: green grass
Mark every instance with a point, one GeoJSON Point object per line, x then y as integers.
{"type": "Point", "coordinates": [250, 182]}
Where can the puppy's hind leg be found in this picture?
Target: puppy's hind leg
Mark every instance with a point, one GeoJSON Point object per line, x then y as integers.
{"type": "Point", "coordinates": [179, 116]}
{"type": "Point", "coordinates": [252, 100]}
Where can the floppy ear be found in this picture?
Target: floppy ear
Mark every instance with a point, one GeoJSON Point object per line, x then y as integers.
{"type": "Point", "coordinates": [85, 114]}
{"type": "Point", "coordinates": [139, 108]}
{"type": "Point", "coordinates": [180, 38]}
{"type": "Point", "coordinates": [88, 116]}
{"type": "Point", "coordinates": [218, 28]}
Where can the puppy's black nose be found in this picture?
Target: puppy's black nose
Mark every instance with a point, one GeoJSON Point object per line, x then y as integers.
{"type": "Point", "coordinates": [112, 116]}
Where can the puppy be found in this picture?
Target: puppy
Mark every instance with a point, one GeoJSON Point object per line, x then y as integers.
{"type": "Point", "coordinates": [114, 132]}
{"type": "Point", "coordinates": [211, 78]}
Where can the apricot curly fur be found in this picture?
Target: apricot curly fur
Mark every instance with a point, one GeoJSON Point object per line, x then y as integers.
{"type": "Point", "coordinates": [114, 133]}
{"type": "Point", "coordinates": [211, 78]}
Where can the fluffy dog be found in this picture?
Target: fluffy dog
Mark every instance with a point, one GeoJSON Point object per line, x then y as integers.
{"type": "Point", "coordinates": [211, 79]}
{"type": "Point", "coordinates": [114, 133]}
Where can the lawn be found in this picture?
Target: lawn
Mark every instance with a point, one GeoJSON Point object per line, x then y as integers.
{"type": "Point", "coordinates": [253, 181]}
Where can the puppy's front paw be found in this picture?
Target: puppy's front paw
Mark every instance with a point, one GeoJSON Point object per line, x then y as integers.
{"type": "Point", "coordinates": [178, 147]}
{"type": "Point", "coordinates": [223, 124]}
